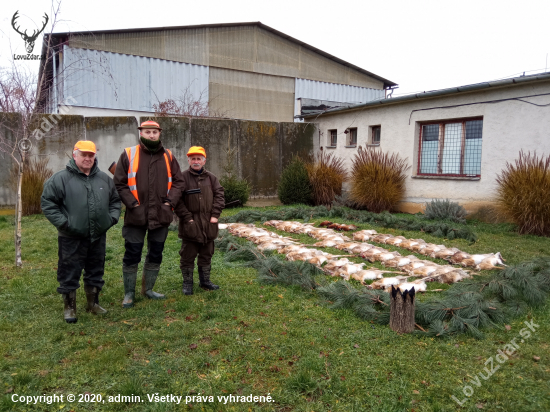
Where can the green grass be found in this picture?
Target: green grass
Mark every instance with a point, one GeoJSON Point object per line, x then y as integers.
{"type": "Point", "coordinates": [248, 338]}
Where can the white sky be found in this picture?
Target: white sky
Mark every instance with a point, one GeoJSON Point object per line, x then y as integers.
{"type": "Point", "coordinates": [419, 44]}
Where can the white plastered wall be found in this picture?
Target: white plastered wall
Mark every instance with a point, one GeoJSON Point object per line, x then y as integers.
{"type": "Point", "coordinates": [508, 127]}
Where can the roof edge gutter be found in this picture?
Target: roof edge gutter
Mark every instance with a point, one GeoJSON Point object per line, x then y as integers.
{"type": "Point", "coordinates": [436, 93]}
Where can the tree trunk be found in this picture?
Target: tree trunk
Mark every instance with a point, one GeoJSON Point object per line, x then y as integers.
{"type": "Point", "coordinates": [18, 214]}
{"type": "Point", "coordinates": [402, 310]}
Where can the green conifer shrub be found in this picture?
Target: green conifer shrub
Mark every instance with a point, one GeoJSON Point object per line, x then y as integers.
{"type": "Point", "coordinates": [377, 179]}
{"type": "Point", "coordinates": [235, 189]}
{"type": "Point", "coordinates": [294, 186]}
{"type": "Point", "coordinates": [445, 209]}
{"type": "Point", "coordinates": [523, 193]}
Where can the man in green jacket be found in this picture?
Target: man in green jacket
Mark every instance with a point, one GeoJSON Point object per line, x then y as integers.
{"type": "Point", "coordinates": [82, 203]}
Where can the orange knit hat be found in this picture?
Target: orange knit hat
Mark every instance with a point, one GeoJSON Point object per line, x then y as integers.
{"type": "Point", "coordinates": [149, 124]}
{"type": "Point", "coordinates": [196, 150]}
{"type": "Point", "coordinates": [85, 146]}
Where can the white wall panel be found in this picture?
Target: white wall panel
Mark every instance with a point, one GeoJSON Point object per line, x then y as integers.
{"type": "Point", "coordinates": [126, 82]}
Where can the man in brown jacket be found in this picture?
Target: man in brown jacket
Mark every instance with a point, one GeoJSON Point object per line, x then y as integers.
{"type": "Point", "coordinates": [149, 182]}
{"type": "Point", "coordinates": [198, 210]}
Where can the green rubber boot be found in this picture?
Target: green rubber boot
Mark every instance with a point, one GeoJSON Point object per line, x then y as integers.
{"type": "Point", "coordinates": [129, 277]}
{"type": "Point", "coordinates": [92, 296]}
{"type": "Point", "coordinates": [204, 278]}
{"type": "Point", "coordinates": [69, 311]}
{"type": "Point", "coordinates": [148, 282]}
{"type": "Point", "coordinates": [187, 274]}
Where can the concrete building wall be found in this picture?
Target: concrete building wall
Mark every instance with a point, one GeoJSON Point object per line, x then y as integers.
{"type": "Point", "coordinates": [261, 149]}
{"type": "Point", "coordinates": [508, 127]}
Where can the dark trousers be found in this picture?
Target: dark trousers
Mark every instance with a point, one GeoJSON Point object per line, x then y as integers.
{"type": "Point", "coordinates": [77, 254]}
{"type": "Point", "coordinates": [134, 237]}
{"type": "Point", "coordinates": [189, 251]}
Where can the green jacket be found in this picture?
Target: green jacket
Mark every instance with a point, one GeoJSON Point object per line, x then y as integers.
{"type": "Point", "coordinates": [79, 205]}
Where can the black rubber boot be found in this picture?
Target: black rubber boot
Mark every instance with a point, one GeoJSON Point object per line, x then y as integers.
{"type": "Point", "coordinates": [129, 277]}
{"type": "Point", "coordinates": [187, 274]}
{"type": "Point", "coordinates": [148, 282]}
{"type": "Point", "coordinates": [69, 312]}
{"type": "Point", "coordinates": [204, 278]}
{"type": "Point", "coordinates": [92, 296]}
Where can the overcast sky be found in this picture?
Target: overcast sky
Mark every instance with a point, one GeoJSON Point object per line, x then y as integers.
{"type": "Point", "coordinates": [421, 45]}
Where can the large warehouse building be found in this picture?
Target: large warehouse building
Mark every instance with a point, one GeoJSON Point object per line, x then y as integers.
{"type": "Point", "coordinates": [240, 70]}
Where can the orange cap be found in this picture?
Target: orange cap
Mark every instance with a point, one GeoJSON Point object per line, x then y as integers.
{"type": "Point", "coordinates": [196, 150]}
{"type": "Point", "coordinates": [149, 124]}
{"type": "Point", "coordinates": [85, 146]}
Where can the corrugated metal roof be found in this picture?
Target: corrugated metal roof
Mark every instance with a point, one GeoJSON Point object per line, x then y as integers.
{"type": "Point", "coordinates": [387, 83]}
{"type": "Point", "coordinates": [119, 81]}
{"type": "Point", "coordinates": [343, 93]}
{"type": "Point", "coordinates": [437, 93]}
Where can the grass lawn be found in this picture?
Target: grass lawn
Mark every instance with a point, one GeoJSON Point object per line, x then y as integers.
{"type": "Point", "coordinates": [249, 339]}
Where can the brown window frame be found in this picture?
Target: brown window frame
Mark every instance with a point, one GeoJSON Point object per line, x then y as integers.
{"type": "Point", "coordinates": [351, 132]}
{"type": "Point", "coordinates": [331, 135]}
{"type": "Point", "coordinates": [441, 146]}
{"type": "Point", "coordinates": [373, 133]}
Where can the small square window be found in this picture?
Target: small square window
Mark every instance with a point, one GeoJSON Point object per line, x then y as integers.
{"type": "Point", "coordinates": [376, 132]}
{"type": "Point", "coordinates": [332, 138]}
{"type": "Point", "coordinates": [352, 137]}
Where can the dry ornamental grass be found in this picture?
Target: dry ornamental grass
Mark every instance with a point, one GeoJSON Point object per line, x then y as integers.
{"type": "Point", "coordinates": [377, 179]}
{"type": "Point", "coordinates": [326, 174]}
{"type": "Point", "coordinates": [523, 193]}
{"type": "Point", "coordinates": [35, 173]}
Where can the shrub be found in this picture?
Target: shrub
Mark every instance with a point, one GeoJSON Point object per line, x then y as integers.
{"type": "Point", "coordinates": [235, 189]}
{"type": "Point", "coordinates": [523, 193]}
{"type": "Point", "coordinates": [35, 173]}
{"type": "Point", "coordinates": [445, 209]}
{"type": "Point", "coordinates": [326, 175]}
{"type": "Point", "coordinates": [294, 186]}
{"type": "Point", "coordinates": [377, 179]}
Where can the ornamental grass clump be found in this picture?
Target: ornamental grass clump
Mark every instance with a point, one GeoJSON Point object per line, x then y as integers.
{"type": "Point", "coordinates": [35, 173]}
{"type": "Point", "coordinates": [377, 179]}
{"type": "Point", "coordinates": [326, 174]}
{"type": "Point", "coordinates": [523, 193]}
{"type": "Point", "coordinates": [294, 186]}
{"type": "Point", "coordinates": [439, 209]}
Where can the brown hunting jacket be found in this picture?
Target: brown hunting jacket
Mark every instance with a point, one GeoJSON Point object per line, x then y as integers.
{"type": "Point", "coordinates": [152, 185]}
{"type": "Point", "coordinates": [200, 207]}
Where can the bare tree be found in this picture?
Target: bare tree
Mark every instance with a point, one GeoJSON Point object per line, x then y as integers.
{"type": "Point", "coordinates": [188, 105]}
{"type": "Point", "coordinates": [20, 94]}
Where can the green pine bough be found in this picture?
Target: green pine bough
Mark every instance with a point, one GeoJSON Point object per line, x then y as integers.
{"type": "Point", "coordinates": [467, 307]}
{"type": "Point", "coordinates": [448, 230]}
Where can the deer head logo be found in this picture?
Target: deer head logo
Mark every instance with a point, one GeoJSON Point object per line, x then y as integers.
{"type": "Point", "coordinates": [29, 40]}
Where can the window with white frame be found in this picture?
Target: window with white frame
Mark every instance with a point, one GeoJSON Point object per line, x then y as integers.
{"type": "Point", "coordinates": [352, 136]}
{"type": "Point", "coordinates": [451, 148]}
{"type": "Point", "coordinates": [375, 132]}
{"type": "Point", "coordinates": [332, 138]}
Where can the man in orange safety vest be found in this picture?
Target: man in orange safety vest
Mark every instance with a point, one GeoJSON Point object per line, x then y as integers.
{"type": "Point", "coordinates": [149, 182]}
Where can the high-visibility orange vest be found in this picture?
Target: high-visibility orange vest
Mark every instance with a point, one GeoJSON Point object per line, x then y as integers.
{"type": "Point", "coordinates": [133, 158]}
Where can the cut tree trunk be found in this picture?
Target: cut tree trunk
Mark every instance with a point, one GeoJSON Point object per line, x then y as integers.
{"type": "Point", "coordinates": [402, 310]}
